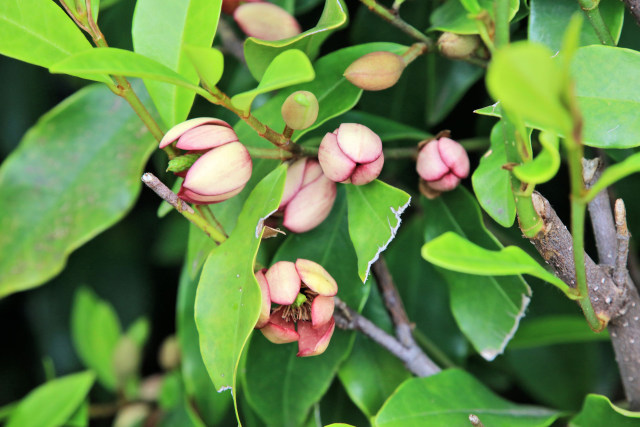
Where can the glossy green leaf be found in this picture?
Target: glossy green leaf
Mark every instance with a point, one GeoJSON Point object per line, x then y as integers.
{"type": "Point", "coordinates": [471, 6]}
{"type": "Point", "coordinates": [138, 331]}
{"type": "Point", "coordinates": [259, 53]}
{"type": "Point", "coordinates": [58, 191]}
{"type": "Point", "coordinates": [52, 403]}
{"type": "Point", "coordinates": [488, 329]}
{"type": "Point", "coordinates": [38, 32]}
{"type": "Point", "coordinates": [211, 405]}
{"type": "Point", "coordinates": [548, 21]}
{"type": "Point", "coordinates": [545, 165]}
{"type": "Point", "coordinates": [7, 410]}
{"type": "Point", "coordinates": [374, 219]}
{"type": "Point", "coordinates": [160, 31]}
{"type": "Point", "coordinates": [598, 410]}
{"type": "Point", "coordinates": [208, 62]}
{"type": "Point", "coordinates": [527, 81]}
{"type": "Point", "coordinates": [80, 418]}
{"type": "Point", "coordinates": [453, 16]}
{"type": "Point", "coordinates": [281, 387]}
{"type": "Point", "coordinates": [289, 68]}
{"type": "Point", "coordinates": [111, 60]}
{"type": "Point", "coordinates": [492, 184]}
{"type": "Point", "coordinates": [95, 329]}
{"type": "Point", "coordinates": [228, 297]}
{"type": "Point", "coordinates": [615, 173]}
{"type": "Point", "coordinates": [559, 329]}
{"type": "Point", "coordinates": [454, 252]}
{"type": "Point", "coordinates": [449, 397]}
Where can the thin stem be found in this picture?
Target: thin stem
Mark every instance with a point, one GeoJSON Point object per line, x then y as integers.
{"type": "Point", "coordinates": [501, 8]}
{"type": "Point", "coordinates": [591, 9]}
{"type": "Point", "coordinates": [185, 210]}
{"type": "Point", "coordinates": [393, 302]}
{"type": "Point", "coordinates": [207, 214]}
{"type": "Point", "coordinates": [414, 52]}
{"type": "Point", "coordinates": [398, 22]}
{"type": "Point", "coordinates": [620, 272]}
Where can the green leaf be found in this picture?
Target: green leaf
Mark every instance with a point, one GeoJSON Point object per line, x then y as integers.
{"type": "Point", "coordinates": [111, 60]}
{"type": "Point", "coordinates": [80, 418]}
{"type": "Point", "coordinates": [228, 297]}
{"type": "Point", "coordinates": [492, 184]}
{"type": "Point", "coordinates": [453, 16]}
{"type": "Point", "coordinates": [488, 329]}
{"type": "Point", "coordinates": [559, 329]}
{"type": "Point", "coordinates": [548, 21]}
{"type": "Point", "coordinates": [139, 331]}
{"type": "Point", "coordinates": [95, 330]}
{"type": "Point", "coordinates": [598, 410]}
{"type": "Point", "coordinates": [281, 387]}
{"type": "Point", "coordinates": [615, 173]}
{"type": "Point", "coordinates": [198, 386]}
{"type": "Point", "coordinates": [374, 219]}
{"type": "Point", "coordinates": [448, 398]}
{"type": "Point", "coordinates": [58, 191]}
{"type": "Point", "coordinates": [527, 81]}
{"type": "Point", "coordinates": [545, 165]}
{"type": "Point", "coordinates": [160, 31]}
{"type": "Point", "coordinates": [38, 32]}
{"type": "Point", "coordinates": [208, 62]}
{"type": "Point", "coordinates": [259, 53]}
{"type": "Point", "coordinates": [52, 403]}
{"type": "Point", "coordinates": [288, 68]}
{"type": "Point", "coordinates": [454, 252]}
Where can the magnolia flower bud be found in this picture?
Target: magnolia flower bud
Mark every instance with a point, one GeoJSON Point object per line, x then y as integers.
{"type": "Point", "coordinates": [126, 359]}
{"type": "Point", "coordinates": [458, 46]}
{"type": "Point", "coordinates": [224, 166]}
{"type": "Point", "coordinates": [131, 415]}
{"type": "Point", "coordinates": [266, 21]}
{"type": "Point", "coordinates": [442, 163]}
{"type": "Point", "coordinates": [351, 154]}
{"type": "Point", "coordinates": [229, 6]}
{"type": "Point", "coordinates": [300, 109]}
{"type": "Point", "coordinates": [169, 355]}
{"type": "Point", "coordinates": [375, 71]}
{"type": "Point", "coordinates": [308, 196]}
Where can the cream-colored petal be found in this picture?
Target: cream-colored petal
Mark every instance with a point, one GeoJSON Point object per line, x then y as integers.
{"type": "Point", "coordinates": [321, 310]}
{"type": "Point", "coordinates": [176, 131]}
{"type": "Point", "coordinates": [316, 277]}
{"type": "Point", "coordinates": [310, 206]}
{"type": "Point", "coordinates": [358, 142]}
{"type": "Point", "coordinates": [284, 282]}
{"type": "Point", "coordinates": [205, 137]}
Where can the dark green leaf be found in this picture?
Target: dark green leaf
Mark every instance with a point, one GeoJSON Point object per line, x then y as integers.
{"type": "Point", "coordinates": [598, 410]}
{"type": "Point", "coordinates": [549, 330]}
{"type": "Point", "coordinates": [260, 53]}
{"type": "Point", "coordinates": [73, 175]}
{"type": "Point", "coordinates": [448, 398]}
{"type": "Point", "coordinates": [52, 403]}
{"type": "Point", "coordinates": [161, 30]}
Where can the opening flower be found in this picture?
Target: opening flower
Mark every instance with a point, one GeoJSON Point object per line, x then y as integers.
{"type": "Point", "coordinates": [215, 167]}
{"type": "Point", "coordinates": [304, 292]}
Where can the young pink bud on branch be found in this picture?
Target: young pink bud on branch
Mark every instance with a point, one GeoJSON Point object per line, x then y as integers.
{"type": "Point", "coordinates": [266, 21]}
{"type": "Point", "coordinates": [442, 163]}
{"type": "Point", "coordinates": [376, 70]}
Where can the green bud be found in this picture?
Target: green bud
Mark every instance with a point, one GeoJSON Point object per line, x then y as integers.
{"type": "Point", "coordinates": [300, 299]}
{"type": "Point", "coordinates": [126, 359]}
{"type": "Point", "coordinates": [300, 109]}
{"type": "Point", "coordinates": [182, 163]}
{"type": "Point", "coordinates": [458, 46]}
{"type": "Point", "coordinates": [375, 70]}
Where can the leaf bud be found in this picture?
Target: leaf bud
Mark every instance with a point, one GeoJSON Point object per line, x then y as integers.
{"type": "Point", "coordinates": [300, 109]}
{"type": "Point", "coordinates": [169, 355]}
{"type": "Point", "coordinates": [442, 163]}
{"type": "Point", "coordinates": [266, 21]}
{"type": "Point", "coordinates": [375, 71]}
{"type": "Point", "coordinates": [458, 46]}
{"type": "Point", "coordinates": [126, 359]}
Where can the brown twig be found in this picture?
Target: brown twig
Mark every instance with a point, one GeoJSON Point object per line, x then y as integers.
{"type": "Point", "coordinates": [393, 302]}
{"type": "Point", "coordinates": [414, 358]}
{"type": "Point", "coordinates": [620, 271]}
{"type": "Point", "coordinates": [634, 8]}
{"type": "Point", "coordinates": [165, 193]}
{"type": "Point", "coordinates": [600, 213]}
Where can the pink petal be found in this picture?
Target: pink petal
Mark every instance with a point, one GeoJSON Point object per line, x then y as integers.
{"type": "Point", "coordinates": [454, 156]}
{"type": "Point", "coordinates": [365, 173]}
{"type": "Point", "coordinates": [205, 137]}
{"type": "Point", "coordinates": [265, 307]}
{"type": "Point", "coordinates": [321, 310]}
{"type": "Point", "coordinates": [312, 171]}
{"type": "Point", "coordinates": [358, 142]}
{"type": "Point", "coordinates": [176, 131]}
{"type": "Point", "coordinates": [310, 206]}
{"type": "Point", "coordinates": [191, 197]}
{"type": "Point", "coordinates": [429, 165]}
{"type": "Point", "coordinates": [446, 183]}
{"type": "Point", "coordinates": [314, 341]}
{"type": "Point", "coordinates": [292, 184]}
{"type": "Point", "coordinates": [284, 282]}
{"type": "Point", "coordinates": [316, 277]}
{"type": "Point", "coordinates": [280, 331]}
{"type": "Point", "coordinates": [266, 21]}
{"type": "Point", "coordinates": [335, 164]}
{"type": "Point", "coordinates": [220, 170]}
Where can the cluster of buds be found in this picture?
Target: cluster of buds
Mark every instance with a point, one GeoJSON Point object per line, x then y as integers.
{"type": "Point", "coordinates": [265, 21]}
{"type": "Point", "coordinates": [215, 167]}
{"type": "Point", "coordinates": [351, 154]}
{"type": "Point", "coordinates": [308, 196]}
{"type": "Point", "coordinates": [303, 292]}
{"type": "Point", "coordinates": [442, 163]}
{"type": "Point", "coordinates": [375, 70]}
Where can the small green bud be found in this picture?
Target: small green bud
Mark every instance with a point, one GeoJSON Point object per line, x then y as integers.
{"type": "Point", "coordinates": [300, 299]}
{"type": "Point", "coordinates": [182, 163]}
{"type": "Point", "coordinates": [376, 70]}
{"type": "Point", "coordinates": [300, 109]}
{"type": "Point", "coordinates": [458, 46]}
{"type": "Point", "coordinates": [126, 359]}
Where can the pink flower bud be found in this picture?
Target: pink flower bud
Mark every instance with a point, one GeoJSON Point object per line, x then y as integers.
{"type": "Point", "coordinates": [308, 196]}
{"type": "Point", "coordinates": [300, 109]}
{"type": "Point", "coordinates": [229, 6]}
{"type": "Point", "coordinates": [375, 71]}
{"type": "Point", "coordinates": [266, 21]}
{"type": "Point", "coordinates": [224, 165]}
{"type": "Point", "coordinates": [442, 163]}
{"type": "Point", "coordinates": [351, 154]}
